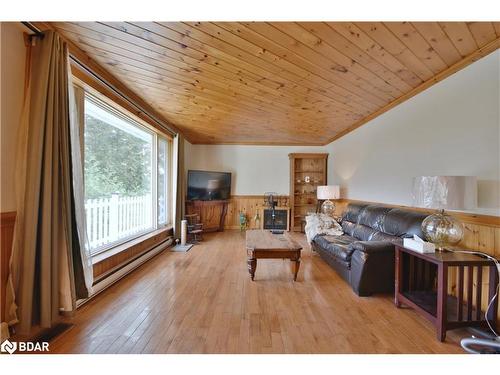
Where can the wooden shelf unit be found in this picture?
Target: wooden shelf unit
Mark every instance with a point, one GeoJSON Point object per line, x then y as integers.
{"type": "Point", "coordinates": [302, 193]}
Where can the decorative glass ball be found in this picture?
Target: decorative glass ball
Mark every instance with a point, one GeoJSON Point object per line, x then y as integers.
{"type": "Point", "coordinates": [328, 208]}
{"type": "Point", "coordinates": [442, 229]}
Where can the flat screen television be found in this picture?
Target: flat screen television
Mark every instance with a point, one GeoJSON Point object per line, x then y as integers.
{"type": "Point", "coordinates": [207, 185]}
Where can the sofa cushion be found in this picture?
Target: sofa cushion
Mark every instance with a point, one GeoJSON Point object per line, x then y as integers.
{"type": "Point", "coordinates": [352, 212]}
{"type": "Point", "coordinates": [338, 246]}
{"type": "Point", "coordinates": [403, 223]}
{"type": "Point", "coordinates": [380, 236]}
{"type": "Point", "coordinates": [348, 227]}
{"type": "Point", "coordinates": [373, 216]}
{"type": "Point", "coordinates": [363, 232]}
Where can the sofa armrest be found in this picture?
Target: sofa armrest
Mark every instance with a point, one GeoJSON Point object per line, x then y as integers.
{"type": "Point", "coordinates": [372, 267]}
{"type": "Point", "coordinates": [371, 247]}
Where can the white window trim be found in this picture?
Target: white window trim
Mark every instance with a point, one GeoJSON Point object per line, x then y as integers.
{"type": "Point", "coordinates": [123, 114]}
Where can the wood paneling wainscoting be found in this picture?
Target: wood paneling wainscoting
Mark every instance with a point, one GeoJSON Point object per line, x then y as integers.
{"type": "Point", "coordinates": [249, 205]}
{"type": "Point", "coordinates": [7, 221]}
{"type": "Point", "coordinates": [132, 250]}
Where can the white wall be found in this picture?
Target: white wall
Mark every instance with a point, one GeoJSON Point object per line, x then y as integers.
{"type": "Point", "coordinates": [13, 54]}
{"type": "Point", "coordinates": [255, 169]}
{"type": "Point", "coordinates": [451, 128]}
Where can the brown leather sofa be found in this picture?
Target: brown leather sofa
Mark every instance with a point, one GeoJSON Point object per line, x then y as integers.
{"type": "Point", "coordinates": [364, 255]}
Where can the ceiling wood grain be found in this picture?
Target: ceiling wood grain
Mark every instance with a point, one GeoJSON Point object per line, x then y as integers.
{"type": "Point", "coordinates": [278, 82]}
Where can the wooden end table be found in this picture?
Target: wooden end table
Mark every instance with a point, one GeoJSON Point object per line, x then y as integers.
{"type": "Point", "coordinates": [415, 286]}
{"type": "Point", "coordinates": [262, 244]}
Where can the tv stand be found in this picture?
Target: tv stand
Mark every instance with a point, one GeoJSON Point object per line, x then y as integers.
{"type": "Point", "coordinates": [212, 213]}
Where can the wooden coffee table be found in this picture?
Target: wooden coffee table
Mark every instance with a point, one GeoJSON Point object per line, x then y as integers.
{"type": "Point", "coordinates": [262, 244]}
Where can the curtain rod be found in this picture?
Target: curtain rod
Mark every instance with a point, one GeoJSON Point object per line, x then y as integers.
{"type": "Point", "coordinates": [122, 95]}
{"type": "Point", "coordinates": [36, 31]}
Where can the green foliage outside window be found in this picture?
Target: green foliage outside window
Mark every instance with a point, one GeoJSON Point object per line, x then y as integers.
{"type": "Point", "coordinates": [116, 162]}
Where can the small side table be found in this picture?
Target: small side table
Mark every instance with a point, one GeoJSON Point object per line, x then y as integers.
{"type": "Point", "coordinates": [416, 286]}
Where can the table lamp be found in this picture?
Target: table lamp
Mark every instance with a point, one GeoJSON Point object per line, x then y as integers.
{"type": "Point", "coordinates": [326, 193]}
{"type": "Point", "coordinates": [444, 192]}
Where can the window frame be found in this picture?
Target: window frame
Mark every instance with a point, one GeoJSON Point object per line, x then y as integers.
{"type": "Point", "coordinates": [125, 115]}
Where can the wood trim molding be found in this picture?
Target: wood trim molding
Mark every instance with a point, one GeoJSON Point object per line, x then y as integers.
{"type": "Point", "coordinates": [261, 196]}
{"type": "Point", "coordinates": [124, 246]}
{"type": "Point", "coordinates": [7, 218]}
{"type": "Point", "coordinates": [466, 217]}
{"type": "Point", "coordinates": [301, 144]}
{"type": "Point", "coordinates": [476, 55]}
{"type": "Point", "coordinates": [7, 222]}
{"type": "Point", "coordinates": [299, 155]}
{"type": "Point", "coordinates": [97, 89]}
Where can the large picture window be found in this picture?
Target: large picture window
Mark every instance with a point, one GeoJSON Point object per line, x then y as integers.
{"type": "Point", "coordinates": [126, 177]}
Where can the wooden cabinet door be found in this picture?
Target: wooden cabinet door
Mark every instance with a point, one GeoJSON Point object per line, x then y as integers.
{"type": "Point", "coordinates": [212, 213]}
{"type": "Point", "coordinates": [211, 216]}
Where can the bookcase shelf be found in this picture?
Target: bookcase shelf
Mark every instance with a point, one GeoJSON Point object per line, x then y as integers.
{"type": "Point", "coordinates": [307, 172]}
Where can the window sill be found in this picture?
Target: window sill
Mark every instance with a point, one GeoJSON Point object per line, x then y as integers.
{"type": "Point", "coordinates": [127, 245]}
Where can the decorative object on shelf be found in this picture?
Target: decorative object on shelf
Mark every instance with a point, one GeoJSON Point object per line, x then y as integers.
{"type": "Point", "coordinates": [256, 220]}
{"type": "Point", "coordinates": [307, 179]}
{"type": "Point", "coordinates": [444, 192]}
{"type": "Point", "coordinates": [326, 193]}
{"type": "Point", "coordinates": [243, 221]}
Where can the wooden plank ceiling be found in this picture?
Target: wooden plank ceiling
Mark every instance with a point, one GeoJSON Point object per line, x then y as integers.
{"type": "Point", "coordinates": [279, 82]}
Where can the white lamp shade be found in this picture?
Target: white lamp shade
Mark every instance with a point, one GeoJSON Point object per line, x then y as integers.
{"type": "Point", "coordinates": [328, 192]}
{"type": "Point", "coordinates": [445, 192]}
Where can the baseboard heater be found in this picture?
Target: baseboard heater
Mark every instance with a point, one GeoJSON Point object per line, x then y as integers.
{"type": "Point", "coordinates": [125, 270]}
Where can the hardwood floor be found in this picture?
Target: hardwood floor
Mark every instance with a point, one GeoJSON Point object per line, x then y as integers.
{"type": "Point", "coordinates": [204, 302]}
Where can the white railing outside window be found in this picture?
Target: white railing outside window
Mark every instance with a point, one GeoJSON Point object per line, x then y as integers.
{"type": "Point", "coordinates": [112, 219]}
